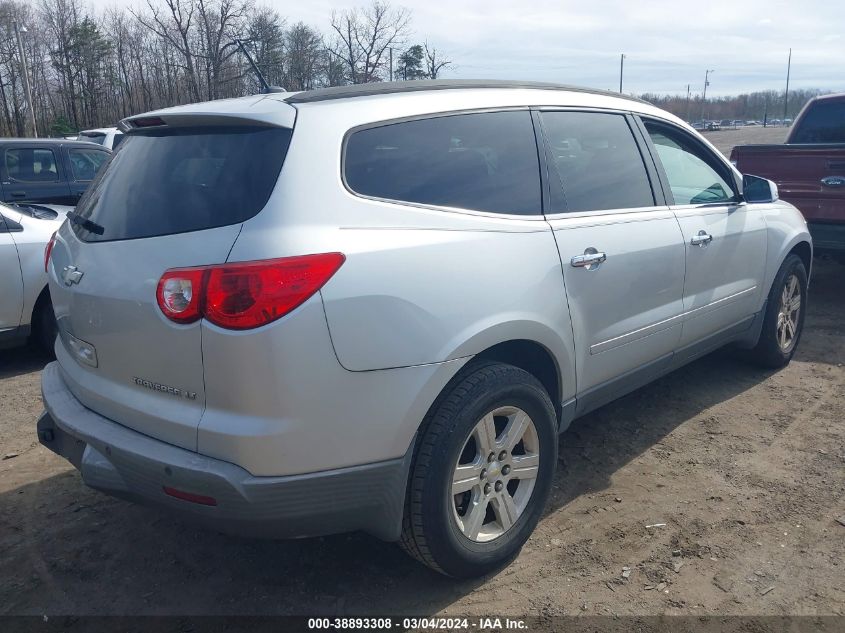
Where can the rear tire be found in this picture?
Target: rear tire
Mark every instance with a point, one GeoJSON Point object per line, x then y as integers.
{"type": "Point", "coordinates": [44, 325]}
{"type": "Point", "coordinates": [783, 322]}
{"type": "Point", "coordinates": [492, 438]}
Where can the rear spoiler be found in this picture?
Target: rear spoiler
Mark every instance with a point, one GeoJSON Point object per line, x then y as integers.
{"type": "Point", "coordinates": [262, 110]}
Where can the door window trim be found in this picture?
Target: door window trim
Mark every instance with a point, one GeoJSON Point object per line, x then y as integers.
{"type": "Point", "coordinates": [657, 190]}
{"type": "Point", "coordinates": [724, 170]}
{"type": "Point", "coordinates": [433, 207]}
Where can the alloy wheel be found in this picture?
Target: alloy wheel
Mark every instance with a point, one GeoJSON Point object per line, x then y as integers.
{"type": "Point", "coordinates": [495, 474]}
{"type": "Point", "coordinates": [790, 308]}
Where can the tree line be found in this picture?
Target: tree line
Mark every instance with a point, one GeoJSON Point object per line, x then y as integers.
{"type": "Point", "coordinates": [90, 69]}
{"type": "Point", "coordinates": [754, 106]}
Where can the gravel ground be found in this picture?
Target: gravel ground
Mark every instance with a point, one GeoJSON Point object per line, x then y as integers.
{"type": "Point", "coordinates": [725, 140]}
{"type": "Point", "coordinates": [715, 490]}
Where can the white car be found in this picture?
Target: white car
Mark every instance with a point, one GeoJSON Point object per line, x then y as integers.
{"type": "Point", "coordinates": [106, 136]}
{"type": "Point", "coordinates": [26, 310]}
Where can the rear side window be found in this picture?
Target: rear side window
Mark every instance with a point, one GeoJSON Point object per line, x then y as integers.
{"type": "Point", "coordinates": [823, 123]}
{"type": "Point", "coordinates": [85, 163]}
{"type": "Point", "coordinates": [483, 162]}
{"type": "Point", "coordinates": [31, 165]}
{"type": "Point", "coordinates": [183, 179]}
{"type": "Point", "coordinates": [595, 163]}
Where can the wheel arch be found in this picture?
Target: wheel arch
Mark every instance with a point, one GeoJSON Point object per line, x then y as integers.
{"type": "Point", "coordinates": [805, 252]}
{"type": "Point", "coordinates": [534, 358]}
{"type": "Point", "coordinates": [43, 297]}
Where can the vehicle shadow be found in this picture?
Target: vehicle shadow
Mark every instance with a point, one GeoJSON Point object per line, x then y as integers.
{"type": "Point", "coordinates": [69, 550]}
{"type": "Point", "coordinates": [22, 360]}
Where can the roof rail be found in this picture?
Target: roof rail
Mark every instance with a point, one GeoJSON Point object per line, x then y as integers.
{"type": "Point", "coordinates": [393, 87]}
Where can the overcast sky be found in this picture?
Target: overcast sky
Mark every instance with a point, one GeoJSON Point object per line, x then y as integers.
{"type": "Point", "coordinates": [668, 43]}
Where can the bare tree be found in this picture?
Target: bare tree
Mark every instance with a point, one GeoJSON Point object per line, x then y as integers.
{"type": "Point", "coordinates": [173, 24]}
{"type": "Point", "coordinates": [303, 49]}
{"type": "Point", "coordinates": [90, 68]}
{"type": "Point", "coordinates": [266, 36]}
{"type": "Point", "coordinates": [434, 63]}
{"type": "Point", "coordinates": [219, 21]}
{"type": "Point", "coordinates": [363, 35]}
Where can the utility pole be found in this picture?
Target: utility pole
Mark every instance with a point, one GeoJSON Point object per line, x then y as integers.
{"type": "Point", "coordinates": [786, 95]}
{"type": "Point", "coordinates": [704, 96]}
{"type": "Point", "coordinates": [391, 63]}
{"type": "Point", "coordinates": [621, 69]}
{"type": "Point", "coordinates": [25, 74]}
{"type": "Point", "coordinates": [688, 96]}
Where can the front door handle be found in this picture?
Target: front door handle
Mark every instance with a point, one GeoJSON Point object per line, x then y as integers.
{"type": "Point", "coordinates": [702, 239]}
{"type": "Point", "coordinates": [591, 259]}
{"type": "Point", "coordinates": [18, 194]}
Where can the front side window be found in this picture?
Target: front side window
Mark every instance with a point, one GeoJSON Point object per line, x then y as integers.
{"type": "Point", "coordinates": [31, 165]}
{"type": "Point", "coordinates": [483, 161]}
{"type": "Point", "coordinates": [695, 176]}
{"type": "Point", "coordinates": [85, 163]}
{"type": "Point", "coordinates": [595, 163]}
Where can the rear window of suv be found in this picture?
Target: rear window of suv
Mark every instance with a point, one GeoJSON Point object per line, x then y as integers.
{"type": "Point", "coordinates": [182, 179]}
{"type": "Point", "coordinates": [483, 161]}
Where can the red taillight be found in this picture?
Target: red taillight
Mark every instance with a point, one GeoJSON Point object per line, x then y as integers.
{"type": "Point", "coordinates": [244, 295]}
{"type": "Point", "coordinates": [48, 250]}
{"type": "Point", "coordinates": [150, 121]}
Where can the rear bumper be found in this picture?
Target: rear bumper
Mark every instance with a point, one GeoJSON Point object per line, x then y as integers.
{"type": "Point", "coordinates": [133, 466]}
{"type": "Point", "coordinates": [827, 236]}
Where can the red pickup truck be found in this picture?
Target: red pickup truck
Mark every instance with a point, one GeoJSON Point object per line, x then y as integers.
{"type": "Point", "coordinates": [809, 169]}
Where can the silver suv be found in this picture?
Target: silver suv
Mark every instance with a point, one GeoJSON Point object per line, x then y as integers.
{"type": "Point", "coordinates": [375, 307]}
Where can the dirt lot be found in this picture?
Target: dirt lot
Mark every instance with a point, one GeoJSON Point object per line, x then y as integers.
{"type": "Point", "coordinates": [726, 139]}
{"type": "Point", "coordinates": [740, 471]}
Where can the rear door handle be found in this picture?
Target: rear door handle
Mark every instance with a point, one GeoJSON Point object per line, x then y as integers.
{"type": "Point", "coordinates": [702, 239]}
{"type": "Point", "coordinates": [591, 259]}
{"type": "Point", "coordinates": [18, 194]}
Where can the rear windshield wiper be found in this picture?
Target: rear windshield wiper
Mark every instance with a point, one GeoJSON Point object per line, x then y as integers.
{"type": "Point", "coordinates": [85, 223]}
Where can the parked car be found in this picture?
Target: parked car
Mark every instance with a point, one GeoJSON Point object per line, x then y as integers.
{"type": "Point", "coordinates": [809, 169]}
{"type": "Point", "coordinates": [26, 311]}
{"type": "Point", "coordinates": [48, 171]}
{"type": "Point", "coordinates": [713, 126]}
{"type": "Point", "coordinates": [109, 137]}
{"type": "Point", "coordinates": [345, 309]}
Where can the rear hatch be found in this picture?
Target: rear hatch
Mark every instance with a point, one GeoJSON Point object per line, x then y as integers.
{"type": "Point", "coordinates": [174, 196]}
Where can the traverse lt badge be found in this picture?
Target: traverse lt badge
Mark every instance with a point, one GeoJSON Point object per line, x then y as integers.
{"type": "Point", "coordinates": [71, 275]}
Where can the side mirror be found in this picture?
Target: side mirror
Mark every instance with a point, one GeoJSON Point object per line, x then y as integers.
{"type": "Point", "coordinates": [758, 190]}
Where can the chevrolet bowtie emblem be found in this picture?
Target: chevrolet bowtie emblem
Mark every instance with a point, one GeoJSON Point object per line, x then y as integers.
{"type": "Point", "coordinates": [71, 275]}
